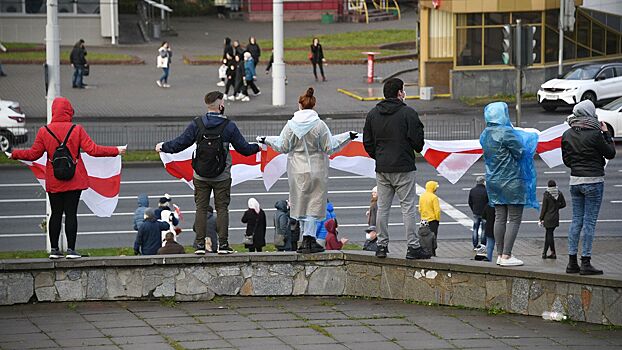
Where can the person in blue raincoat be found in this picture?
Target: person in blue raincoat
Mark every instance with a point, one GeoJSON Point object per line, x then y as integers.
{"type": "Point", "coordinates": [510, 176]}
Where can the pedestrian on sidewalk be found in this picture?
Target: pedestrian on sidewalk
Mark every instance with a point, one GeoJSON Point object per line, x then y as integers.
{"type": "Point", "coordinates": [139, 213]}
{"type": "Point", "coordinates": [269, 66]}
{"type": "Point", "coordinates": [227, 59]}
{"type": "Point", "coordinates": [64, 194]}
{"type": "Point", "coordinates": [149, 238]}
{"type": "Point", "coordinates": [372, 212]}
{"type": "Point", "coordinates": [170, 246]}
{"type": "Point", "coordinates": [393, 133]}
{"type": "Point", "coordinates": [478, 200]}
{"type": "Point", "coordinates": [430, 208]}
{"type": "Point", "coordinates": [552, 201]}
{"type": "Point", "coordinates": [255, 220]}
{"type": "Point", "coordinates": [320, 232]}
{"type": "Point", "coordinates": [77, 58]}
{"type": "Point", "coordinates": [585, 148]}
{"type": "Point", "coordinates": [317, 58]}
{"type": "Point", "coordinates": [332, 242]}
{"type": "Point", "coordinates": [212, 134]}
{"type": "Point", "coordinates": [488, 217]}
{"type": "Point", "coordinates": [232, 72]}
{"type": "Point", "coordinates": [240, 81]}
{"type": "Point", "coordinates": [249, 77]}
{"type": "Point", "coordinates": [237, 49]}
{"type": "Point", "coordinates": [254, 49]}
{"type": "Point", "coordinates": [308, 142]}
{"type": "Point", "coordinates": [165, 54]}
{"type": "Point", "coordinates": [510, 176]}
{"type": "Point", "coordinates": [220, 8]}
{"type": "Point", "coordinates": [282, 227]}
{"type": "Point", "coordinates": [3, 49]}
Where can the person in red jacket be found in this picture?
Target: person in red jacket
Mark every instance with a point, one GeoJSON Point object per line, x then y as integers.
{"type": "Point", "coordinates": [64, 194]}
{"type": "Point", "coordinates": [332, 243]}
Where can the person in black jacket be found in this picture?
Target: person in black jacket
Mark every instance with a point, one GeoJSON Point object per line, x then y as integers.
{"type": "Point", "coordinates": [317, 58]}
{"type": "Point", "coordinates": [149, 237]}
{"type": "Point", "coordinates": [585, 147]}
{"type": "Point", "coordinates": [478, 200]}
{"type": "Point", "coordinates": [255, 220]}
{"type": "Point", "coordinates": [232, 72]}
{"type": "Point", "coordinates": [254, 49]}
{"type": "Point", "coordinates": [552, 201]}
{"type": "Point", "coordinates": [282, 228]}
{"type": "Point", "coordinates": [393, 133]}
{"type": "Point", "coordinates": [77, 58]}
{"type": "Point", "coordinates": [240, 72]}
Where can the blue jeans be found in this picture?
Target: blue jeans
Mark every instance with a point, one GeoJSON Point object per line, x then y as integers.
{"type": "Point", "coordinates": [164, 77]}
{"type": "Point", "coordinates": [477, 223]}
{"type": "Point", "coordinates": [77, 76]}
{"type": "Point", "coordinates": [490, 247]}
{"type": "Point", "coordinates": [586, 200]}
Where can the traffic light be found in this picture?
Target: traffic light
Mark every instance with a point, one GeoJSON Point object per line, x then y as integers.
{"type": "Point", "coordinates": [528, 45]}
{"type": "Point", "coordinates": [506, 56]}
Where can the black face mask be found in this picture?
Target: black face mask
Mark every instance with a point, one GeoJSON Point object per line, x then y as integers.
{"type": "Point", "coordinates": [222, 109]}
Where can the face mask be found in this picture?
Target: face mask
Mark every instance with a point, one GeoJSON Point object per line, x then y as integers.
{"type": "Point", "coordinates": [368, 236]}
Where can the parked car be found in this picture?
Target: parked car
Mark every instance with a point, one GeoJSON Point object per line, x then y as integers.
{"type": "Point", "coordinates": [12, 125]}
{"type": "Point", "coordinates": [595, 82]}
{"type": "Point", "coordinates": [611, 114]}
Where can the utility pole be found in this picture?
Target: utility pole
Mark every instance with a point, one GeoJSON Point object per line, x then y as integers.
{"type": "Point", "coordinates": [519, 69]}
{"type": "Point", "coordinates": [113, 38]}
{"type": "Point", "coordinates": [52, 61]}
{"type": "Point", "coordinates": [278, 66]}
{"type": "Point", "coordinates": [560, 58]}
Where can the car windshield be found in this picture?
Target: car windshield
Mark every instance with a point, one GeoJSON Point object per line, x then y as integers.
{"type": "Point", "coordinates": [582, 73]}
{"type": "Point", "coordinates": [614, 105]}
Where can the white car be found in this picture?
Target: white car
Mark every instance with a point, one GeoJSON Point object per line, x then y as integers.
{"type": "Point", "coordinates": [12, 125]}
{"type": "Point", "coordinates": [595, 82]}
{"type": "Point", "coordinates": [611, 114]}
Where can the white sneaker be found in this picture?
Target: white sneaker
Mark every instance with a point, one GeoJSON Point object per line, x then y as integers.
{"type": "Point", "coordinates": [258, 93]}
{"type": "Point", "coordinates": [166, 85]}
{"type": "Point", "coordinates": [245, 99]}
{"type": "Point", "coordinates": [221, 83]}
{"type": "Point", "coordinates": [511, 261]}
{"type": "Point", "coordinates": [239, 96]}
{"type": "Point", "coordinates": [159, 83]}
{"type": "Point", "coordinates": [498, 260]}
{"type": "Point", "coordinates": [231, 98]}
{"type": "Point", "coordinates": [224, 97]}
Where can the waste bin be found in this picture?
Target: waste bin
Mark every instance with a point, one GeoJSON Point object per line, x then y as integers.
{"type": "Point", "coordinates": [426, 93]}
{"type": "Point", "coordinates": [327, 18]}
{"type": "Point", "coordinates": [157, 30]}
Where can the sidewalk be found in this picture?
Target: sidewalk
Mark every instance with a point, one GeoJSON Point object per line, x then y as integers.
{"type": "Point", "coordinates": [286, 323]}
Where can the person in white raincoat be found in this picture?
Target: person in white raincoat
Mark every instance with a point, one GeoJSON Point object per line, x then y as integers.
{"type": "Point", "coordinates": [308, 142]}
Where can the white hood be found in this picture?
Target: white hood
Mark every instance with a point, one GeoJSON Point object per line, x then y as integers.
{"type": "Point", "coordinates": [303, 121]}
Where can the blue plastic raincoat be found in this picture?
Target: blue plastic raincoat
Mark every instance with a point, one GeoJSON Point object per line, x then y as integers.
{"type": "Point", "coordinates": [508, 154]}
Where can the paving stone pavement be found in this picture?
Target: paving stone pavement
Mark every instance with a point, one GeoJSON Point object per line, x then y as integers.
{"type": "Point", "coordinates": [285, 323]}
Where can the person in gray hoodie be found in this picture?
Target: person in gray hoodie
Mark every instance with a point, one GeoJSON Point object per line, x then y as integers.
{"type": "Point", "coordinates": [139, 214]}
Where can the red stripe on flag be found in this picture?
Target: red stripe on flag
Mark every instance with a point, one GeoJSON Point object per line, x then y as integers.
{"type": "Point", "coordinates": [180, 169]}
{"type": "Point", "coordinates": [267, 156]}
{"type": "Point", "coordinates": [38, 170]}
{"type": "Point", "coordinates": [107, 187]}
{"type": "Point", "coordinates": [352, 149]}
{"type": "Point", "coordinates": [237, 158]}
{"type": "Point", "coordinates": [436, 157]}
{"type": "Point", "coordinates": [549, 145]}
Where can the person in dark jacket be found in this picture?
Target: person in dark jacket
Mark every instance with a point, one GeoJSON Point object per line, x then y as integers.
{"type": "Point", "coordinates": [164, 203]}
{"type": "Point", "coordinates": [64, 195]}
{"type": "Point", "coordinates": [77, 58]}
{"type": "Point", "coordinates": [332, 242]}
{"type": "Point", "coordinates": [585, 148]}
{"type": "Point", "coordinates": [227, 59]}
{"type": "Point", "coordinates": [139, 213]}
{"type": "Point", "coordinates": [488, 215]}
{"type": "Point", "coordinates": [317, 58]}
{"type": "Point", "coordinates": [552, 201]}
{"type": "Point", "coordinates": [237, 49]}
{"type": "Point", "coordinates": [240, 74]}
{"type": "Point", "coordinates": [254, 49]}
{"type": "Point", "coordinates": [232, 72]}
{"type": "Point", "coordinates": [392, 134]}
{"type": "Point", "coordinates": [371, 239]}
{"type": "Point", "coordinates": [219, 185]}
{"type": "Point", "coordinates": [149, 237]}
{"type": "Point", "coordinates": [294, 226]}
{"type": "Point", "coordinates": [171, 247]}
{"type": "Point", "coordinates": [320, 232]}
{"type": "Point", "coordinates": [478, 200]}
{"type": "Point", "coordinates": [250, 76]}
{"type": "Point", "coordinates": [255, 220]}
{"type": "Point", "coordinates": [282, 229]}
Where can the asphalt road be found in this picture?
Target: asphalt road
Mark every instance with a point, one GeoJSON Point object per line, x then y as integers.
{"type": "Point", "coordinates": [24, 207]}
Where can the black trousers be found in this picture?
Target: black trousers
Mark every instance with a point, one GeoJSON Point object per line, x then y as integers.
{"type": "Point", "coordinates": [315, 69]}
{"type": "Point", "coordinates": [549, 240]}
{"type": "Point", "coordinates": [253, 249]}
{"type": "Point", "coordinates": [434, 228]}
{"type": "Point", "coordinates": [64, 203]}
{"type": "Point", "coordinates": [230, 84]}
{"type": "Point", "coordinates": [251, 84]}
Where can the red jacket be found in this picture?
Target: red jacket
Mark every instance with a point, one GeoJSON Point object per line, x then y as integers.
{"type": "Point", "coordinates": [332, 243]}
{"type": "Point", "coordinates": [62, 114]}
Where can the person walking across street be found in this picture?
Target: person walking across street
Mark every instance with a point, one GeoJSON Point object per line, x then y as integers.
{"type": "Point", "coordinates": [250, 76]}
{"type": "Point", "coordinates": [510, 176]}
{"type": "Point", "coordinates": [254, 49]}
{"type": "Point", "coordinates": [165, 54]}
{"type": "Point", "coordinates": [77, 58]}
{"type": "Point", "coordinates": [430, 208]}
{"type": "Point", "coordinates": [316, 56]}
{"type": "Point", "coordinates": [212, 134]}
{"type": "Point", "coordinates": [64, 191]}
{"type": "Point", "coordinates": [392, 134]}
{"type": "Point", "coordinates": [586, 146]}
{"type": "Point", "coordinates": [308, 142]}
{"type": "Point", "coordinates": [478, 200]}
{"type": "Point", "coordinates": [232, 71]}
{"type": "Point", "coordinates": [552, 201]}
{"type": "Point", "coordinates": [255, 220]}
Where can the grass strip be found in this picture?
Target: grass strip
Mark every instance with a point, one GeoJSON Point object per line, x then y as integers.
{"type": "Point", "coordinates": [334, 55]}
{"type": "Point", "coordinates": [93, 57]}
{"type": "Point", "coordinates": [365, 38]}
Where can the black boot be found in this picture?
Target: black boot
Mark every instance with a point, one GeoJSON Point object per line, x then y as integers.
{"type": "Point", "coordinates": [305, 246]}
{"type": "Point", "coordinates": [587, 268]}
{"type": "Point", "coordinates": [314, 246]}
{"type": "Point", "coordinates": [573, 265]}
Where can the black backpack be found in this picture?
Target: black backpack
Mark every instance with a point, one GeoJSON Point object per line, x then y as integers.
{"type": "Point", "coordinates": [210, 158]}
{"type": "Point", "coordinates": [62, 161]}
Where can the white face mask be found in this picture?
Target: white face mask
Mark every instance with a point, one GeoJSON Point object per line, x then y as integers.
{"type": "Point", "coordinates": [368, 236]}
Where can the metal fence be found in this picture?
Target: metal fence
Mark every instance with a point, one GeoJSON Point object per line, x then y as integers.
{"type": "Point", "coordinates": [144, 136]}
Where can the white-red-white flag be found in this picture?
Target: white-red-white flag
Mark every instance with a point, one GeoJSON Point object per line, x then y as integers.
{"type": "Point", "coordinates": [550, 145]}
{"type": "Point", "coordinates": [452, 159]}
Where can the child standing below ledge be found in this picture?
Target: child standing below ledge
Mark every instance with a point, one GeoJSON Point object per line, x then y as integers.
{"type": "Point", "coordinates": [552, 202]}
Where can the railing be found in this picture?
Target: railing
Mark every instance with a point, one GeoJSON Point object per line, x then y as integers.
{"type": "Point", "coordinates": [360, 7]}
{"type": "Point", "coordinates": [383, 5]}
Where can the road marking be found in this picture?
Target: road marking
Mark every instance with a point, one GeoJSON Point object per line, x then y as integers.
{"type": "Point", "coordinates": [478, 174]}
{"type": "Point", "coordinates": [616, 202]}
{"type": "Point", "coordinates": [448, 209]}
{"type": "Point", "coordinates": [548, 122]}
{"type": "Point", "coordinates": [555, 172]}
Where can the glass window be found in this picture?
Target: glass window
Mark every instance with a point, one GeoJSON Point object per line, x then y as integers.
{"type": "Point", "coordinates": [492, 49]}
{"type": "Point", "coordinates": [583, 30]}
{"type": "Point", "coordinates": [65, 6]}
{"type": "Point", "coordinates": [607, 73]}
{"type": "Point", "coordinates": [618, 71]}
{"type": "Point", "coordinates": [35, 6]}
{"type": "Point", "coordinates": [612, 43]}
{"type": "Point", "coordinates": [551, 39]}
{"type": "Point", "coordinates": [470, 19]}
{"type": "Point", "coordinates": [598, 38]}
{"type": "Point", "coordinates": [570, 47]}
{"type": "Point", "coordinates": [88, 6]}
{"type": "Point", "coordinates": [582, 51]}
{"type": "Point", "coordinates": [582, 73]}
{"type": "Point", "coordinates": [613, 105]}
{"type": "Point", "coordinates": [497, 18]}
{"type": "Point", "coordinates": [11, 6]}
{"type": "Point", "coordinates": [527, 17]}
{"type": "Point", "coordinates": [552, 18]}
{"type": "Point", "coordinates": [469, 46]}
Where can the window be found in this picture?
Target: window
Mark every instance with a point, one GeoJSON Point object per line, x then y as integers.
{"type": "Point", "coordinates": [612, 43]}
{"type": "Point", "coordinates": [35, 6]}
{"type": "Point", "coordinates": [618, 71]}
{"type": "Point", "coordinates": [469, 42]}
{"type": "Point", "coordinates": [527, 17]}
{"type": "Point", "coordinates": [40, 6]}
{"type": "Point", "coordinates": [583, 30]}
{"type": "Point", "coordinates": [607, 73]}
{"type": "Point", "coordinates": [598, 38]}
{"type": "Point", "coordinates": [11, 6]}
{"type": "Point", "coordinates": [551, 44]}
{"type": "Point", "coordinates": [582, 73]}
{"type": "Point", "coordinates": [497, 18]}
{"type": "Point", "coordinates": [88, 6]}
{"type": "Point", "coordinates": [492, 49]}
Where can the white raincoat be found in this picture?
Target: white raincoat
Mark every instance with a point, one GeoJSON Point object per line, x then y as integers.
{"type": "Point", "coordinates": [308, 142]}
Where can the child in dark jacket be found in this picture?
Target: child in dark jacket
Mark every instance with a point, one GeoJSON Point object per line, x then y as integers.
{"type": "Point", "coordinates": [332, 243]}
{"type": "Point", "coordinates": [488, 215]}
{"type": "Point", "coordinates": [149, 237]}
{"type": "Point", "coordinates": [139, 214]}
{"type": "Point", "coordinates": [552, 202]}
{"type": "Point", "coordinates": [282, 228]}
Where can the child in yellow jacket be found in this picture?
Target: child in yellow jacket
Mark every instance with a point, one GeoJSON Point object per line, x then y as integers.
{"type": "Point", "coordinates": [429, 206]}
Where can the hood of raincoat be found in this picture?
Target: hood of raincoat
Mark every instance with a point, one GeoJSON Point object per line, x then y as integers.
{"type": "Point", "coordinates": [62, 111]}
{"type": "Point", "coordinates": [281, 206]}
{"type": "Point", "coordinates": [390, 105]}
{"type": "Point", "coordinates": [431, 186]}
{"type": "Point", "coordinates": [508, 154]}
{"type": "Point", "coordinates": [330, 207]}
{"type": "Point", "coordinates": [303, 121]}
{"type": "Point", "coordinates": [253, 204]}
{"type": "Point", "coordinates": [331, 226]}
{"type": "Point", "coordinates": [143, 200]}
